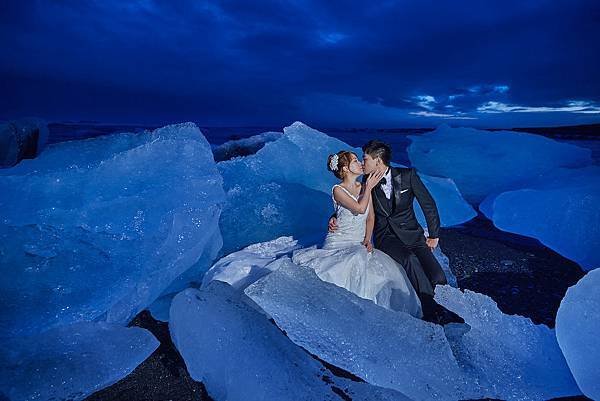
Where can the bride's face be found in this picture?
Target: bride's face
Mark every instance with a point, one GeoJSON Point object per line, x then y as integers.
{"type": "Point", "coordinates": [355, 166]}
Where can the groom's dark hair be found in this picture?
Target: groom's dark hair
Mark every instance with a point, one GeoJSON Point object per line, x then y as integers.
{"type": "Point", "coordinates": [375, 148]}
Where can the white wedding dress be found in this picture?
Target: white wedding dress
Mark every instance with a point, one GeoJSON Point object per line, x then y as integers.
{"type": "Point", "coordinates": [345, 262]}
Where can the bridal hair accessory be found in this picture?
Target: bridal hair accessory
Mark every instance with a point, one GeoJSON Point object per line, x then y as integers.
{"type": "Point", "coordinates": [333, 163]}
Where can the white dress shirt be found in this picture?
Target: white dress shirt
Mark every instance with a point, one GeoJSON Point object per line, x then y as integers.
{"type": "Point", "coordinates": [387, 187]}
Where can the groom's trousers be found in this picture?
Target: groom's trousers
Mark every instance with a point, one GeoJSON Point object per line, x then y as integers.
{"type": "Point", "coordinates": [422, 268]}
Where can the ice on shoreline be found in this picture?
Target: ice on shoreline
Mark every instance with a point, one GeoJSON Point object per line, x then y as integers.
{"type": "Point", "coordinates": [578, 332]}
{"type": "Point", "coordinates": [97, 229]}
{"type": "Point", "coordinates": [229, 345]}
{"type": "Point", "coordinates": [560, 209]}
{"type": "Point", "coordinates": [486, 162]}
{"type": "Point", "coordinates": [72, 361]}
{"type": "Point", "coordinates": [355, 334]}
{"type": "Point", "coordinates": [511, 357]}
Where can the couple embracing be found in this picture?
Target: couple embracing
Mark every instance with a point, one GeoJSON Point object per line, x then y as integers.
{"type": "Point", "coordinates": [398, 271]}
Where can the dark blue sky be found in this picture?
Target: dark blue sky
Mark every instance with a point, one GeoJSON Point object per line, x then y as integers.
{"type": "Point", "coordinates": [327, 63]}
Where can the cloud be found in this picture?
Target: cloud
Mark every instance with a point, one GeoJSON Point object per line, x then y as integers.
{"type": "Point", "coordinates": [426, 101]}
{"type": "Point", "coordinates": [575, 106]}
{"type": "Point", "coordinates": [244, 61]}
{"type": "Point", "coordinates": [441, 115]}
{"type": "Point", "coordinates": [332, 38]}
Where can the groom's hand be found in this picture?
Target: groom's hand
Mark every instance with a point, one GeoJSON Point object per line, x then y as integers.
{"type": "Point", "coordinates": [432, 243]}
{"type": "Point", "coordinates": [332, 224]}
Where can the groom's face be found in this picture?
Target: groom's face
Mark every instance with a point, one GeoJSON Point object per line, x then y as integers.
{"type": "Point", "coordinates": [369, 164]}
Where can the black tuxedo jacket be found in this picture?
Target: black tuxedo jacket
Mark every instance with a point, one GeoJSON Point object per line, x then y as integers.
{"type": "Point", "coordinates": [397, 216]}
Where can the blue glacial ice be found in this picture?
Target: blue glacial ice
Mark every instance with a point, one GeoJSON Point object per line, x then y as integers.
{"type": "Point", "coordinates": [484, 162]}
{"type": "Point", "coordinates": [230, 345]}
{"type": "Point", "coordinates": [560, 209]}
{"type": "Point", "coordinates": [578, 332]}
{"type": "Point", "coordinates": [97, 229]}
{"type": "Point", "coordinates": [270, 192]}
{"type": "Point", "coordinates": [452, 207]}
{"type": "Point", "coordinates": [20, 139]}
{"type": "Point", "coordinates": [505, 357]}
{"type": "Point", "coordinates": [383, 347]}
{"type": "Point", "coordinates": [72, 361]}
{"type": "Point", "coordinates": [511, 357]}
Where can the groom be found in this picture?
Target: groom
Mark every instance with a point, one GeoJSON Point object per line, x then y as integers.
{"type": "Point", "coordinates": [397, 231]}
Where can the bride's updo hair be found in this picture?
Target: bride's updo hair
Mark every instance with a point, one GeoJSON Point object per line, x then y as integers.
{"type": "Point", "coordinates": [344, 158]}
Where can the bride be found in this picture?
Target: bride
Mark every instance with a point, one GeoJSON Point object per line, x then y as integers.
{"type": "Point", "coordinates": [347, 258]}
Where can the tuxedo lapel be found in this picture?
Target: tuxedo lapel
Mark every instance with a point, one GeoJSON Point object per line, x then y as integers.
{"type": "Point", "coordinates": [397, 184]}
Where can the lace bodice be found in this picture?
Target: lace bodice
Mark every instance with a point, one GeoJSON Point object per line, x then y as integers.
{"type": "Point", "coordinates": [351, 226]}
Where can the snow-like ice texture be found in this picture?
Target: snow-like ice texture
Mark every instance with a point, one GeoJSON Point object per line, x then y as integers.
{"type": "Point", "coordinates": [244, 267]}
{"type": "Point", "coordinates": [560, 210]}
{"type": "Point", "coordinates": [229, 345]}
{"type": "Point", "coordinates": [244, 146]}
{"type": "Point", "coordinates": [21, 139]}
{"type": "Point", "coordinates": [484, 162]}
{"type": "Point", "coordinates": [72, 361]}
{"type": "Point", "coordinates": [578, 332]}
{"type": "Point", "coordinates": [383, 347]}
{"type": "Point", "coordinates": [511, 357]}
{"type": "Point", "coordinates": [285, 189]}
{"type": "Point", "coordinates": [97, 229]}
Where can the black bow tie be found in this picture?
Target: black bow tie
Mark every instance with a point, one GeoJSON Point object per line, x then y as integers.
{"type": "Point", "coordinates": [383, 181]}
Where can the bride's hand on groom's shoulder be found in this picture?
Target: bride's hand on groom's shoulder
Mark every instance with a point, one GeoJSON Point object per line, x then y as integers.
{"type": "Point", "coordinates": [368, 244]}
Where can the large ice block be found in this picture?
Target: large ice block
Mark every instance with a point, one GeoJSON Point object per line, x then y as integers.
{"type": "Point", "coordinates": [485, 162]}
{"type": "Point", "coordinates": [578, 332]}
{"type": "Point", "coordinates": [512, 358]}
{"type": "Point", "coordinates": [229, 345]}
{"type": "Point", "coordinates": [72, 361]}
{"type": "Point", "coordinates": [260, 211]}
{"type": "Point", "coordinates": [452, 207]}
{"type": "Point", "coordinates": [97, 229]}
{"type": "Point", "coordinates": [383, 347]}
{"type": "Point", "coordinates": [560, 209]}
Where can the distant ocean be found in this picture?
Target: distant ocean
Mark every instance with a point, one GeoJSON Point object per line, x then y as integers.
{"type": "Point", "coordinates": [398, 138]}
